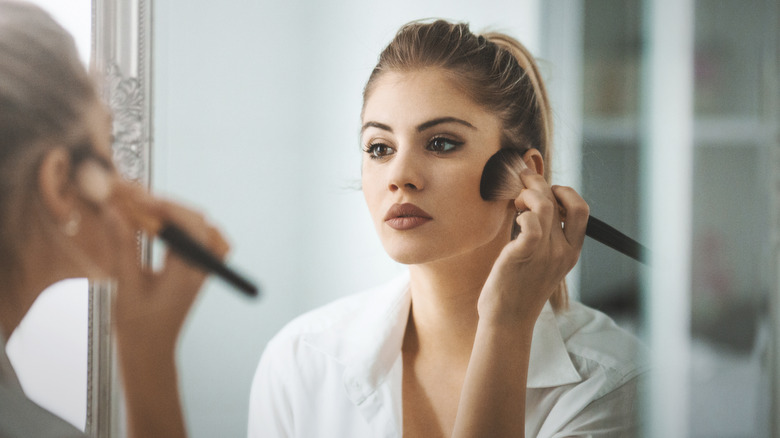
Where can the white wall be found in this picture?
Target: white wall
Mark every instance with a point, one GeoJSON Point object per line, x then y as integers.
{"type": "Point", "coordinates": [256, 114]}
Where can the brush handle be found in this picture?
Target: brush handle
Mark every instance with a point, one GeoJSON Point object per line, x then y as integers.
{"type": "Point", "coordinates": [608, 235]}
{"type": "Point", "coordinates": [181, 243]}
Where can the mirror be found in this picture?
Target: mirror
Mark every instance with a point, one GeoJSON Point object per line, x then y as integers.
{"type": "Point", "coordinates": [254, 118]}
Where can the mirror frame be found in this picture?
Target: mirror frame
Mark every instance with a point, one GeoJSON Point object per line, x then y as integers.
{"type": "Point", "coordinates": [121, 59]}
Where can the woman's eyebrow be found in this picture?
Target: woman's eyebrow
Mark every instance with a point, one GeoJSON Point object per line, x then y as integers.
{"type": "Point", "coordinates": [376, 125]}
{"type": "Point", "coordinates": [431, 123]}
{"type": "Point", "coordinates": [423, 126]}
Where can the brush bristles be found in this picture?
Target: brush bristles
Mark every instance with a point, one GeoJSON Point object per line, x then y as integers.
{"type": "Point", "coordinates": [501, 175]}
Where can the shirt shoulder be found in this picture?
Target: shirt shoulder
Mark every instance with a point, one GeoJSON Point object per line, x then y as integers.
{"type": "Point", "coordinates": [303, 366]}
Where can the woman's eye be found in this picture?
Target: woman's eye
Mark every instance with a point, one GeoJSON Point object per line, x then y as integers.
{"type": "Point", "coordinates": [378, 150]}
{"type": "Point", "coordinates": [443, 144]}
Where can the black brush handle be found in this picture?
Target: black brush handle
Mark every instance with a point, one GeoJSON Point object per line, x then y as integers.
{"type": "Point", "coordinates": [610, 236]}
{"type": "Point", "coordinates": [192, 251]}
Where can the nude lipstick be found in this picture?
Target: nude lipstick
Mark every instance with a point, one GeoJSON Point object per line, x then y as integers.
{"type": "Point", "coordinates": [403, 217]}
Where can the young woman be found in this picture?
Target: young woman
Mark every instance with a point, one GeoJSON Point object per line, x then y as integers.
{"type": "Point", "coordinates": [478, 339]}
{"type": "Point", "coordinates": [55, 224]}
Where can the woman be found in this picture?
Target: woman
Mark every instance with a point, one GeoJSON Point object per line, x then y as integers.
{"type": "Point", "coordinates": [466, 343]}
{"type": "Point", "coordinates": [54, 224]}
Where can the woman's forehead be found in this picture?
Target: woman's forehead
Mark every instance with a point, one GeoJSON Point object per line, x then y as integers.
{"type": "Point", "coordinates": [422, 93]}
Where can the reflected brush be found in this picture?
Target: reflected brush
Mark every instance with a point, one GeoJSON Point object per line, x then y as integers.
{"type": "Point", "coordinates": [97, 186]}
{"type": "Point", "coordinates": [501, 181]}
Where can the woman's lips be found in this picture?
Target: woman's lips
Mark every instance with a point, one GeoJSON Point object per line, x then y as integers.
{"type": "Point", "coordinates": [406, 216]}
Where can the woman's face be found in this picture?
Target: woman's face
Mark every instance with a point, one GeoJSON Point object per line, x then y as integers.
{"type": "Point", "coordinates": [425, 144]}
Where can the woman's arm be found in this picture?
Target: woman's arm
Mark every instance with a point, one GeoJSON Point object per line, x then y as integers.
{"type": "Point", "coordinates": [526, 273]}
{"type": "Point", "coordinates": [492, 401]}
{"type": "Point", "coordinates": [150, 309]}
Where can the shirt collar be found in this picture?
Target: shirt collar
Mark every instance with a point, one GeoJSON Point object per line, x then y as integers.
{"type": "Point", "coordinates": [368, 342]}
{"type": "Point", "coordinates": [550, 364]}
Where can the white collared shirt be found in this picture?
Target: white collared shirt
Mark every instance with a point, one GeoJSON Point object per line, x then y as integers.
{"type": "Point", "coordinates": [336, 372]}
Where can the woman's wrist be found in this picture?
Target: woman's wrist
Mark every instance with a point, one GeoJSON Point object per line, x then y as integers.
{"type": "Point", "coordinates": [507, 325]}
{"type": "Point", "coordinates": [501, 311]}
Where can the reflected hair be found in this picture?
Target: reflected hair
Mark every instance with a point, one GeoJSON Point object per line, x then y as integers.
{"type": "Point", "coordinates": [495, 70]}
{"type": "Point", "coordinates": [45, 91]}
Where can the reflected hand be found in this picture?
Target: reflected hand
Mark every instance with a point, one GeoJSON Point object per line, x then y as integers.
{"type": "Point", "coordinates": [150, 309]}
{"type": "Point", "coordinates": [156, 302]}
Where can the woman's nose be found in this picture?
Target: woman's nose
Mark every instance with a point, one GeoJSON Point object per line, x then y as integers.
{"type": "Point", "coordinates": [406, 172]}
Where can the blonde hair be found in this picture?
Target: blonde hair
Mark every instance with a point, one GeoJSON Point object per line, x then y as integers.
{"type": "Point", "coordinates": [495, 70]}
{"type": "Point", "coordinates": [45, 92]}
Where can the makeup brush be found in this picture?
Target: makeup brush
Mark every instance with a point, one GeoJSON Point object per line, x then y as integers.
{"type": "Point", "coordinates": [501, 180]}
{"type": "Point", "coordinates": [96, 185]}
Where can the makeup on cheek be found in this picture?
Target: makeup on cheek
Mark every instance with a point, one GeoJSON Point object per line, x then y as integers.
{"type": "Point", "coordinates": [98, 185]}
{"type": "Point", "coordinates": [501, 181]}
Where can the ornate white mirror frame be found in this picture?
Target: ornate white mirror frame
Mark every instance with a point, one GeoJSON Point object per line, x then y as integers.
{"type": "Point", "coordinates": [121, 57]}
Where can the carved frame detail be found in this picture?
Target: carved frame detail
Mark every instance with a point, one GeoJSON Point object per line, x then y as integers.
{"type": "Point", "coordinates": [121, 58]}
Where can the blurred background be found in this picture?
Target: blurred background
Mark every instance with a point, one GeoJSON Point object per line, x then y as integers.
{"type": "Point", "coordinates": [663, 108]}
{"type": "Point", "coordinates": [732, 178]}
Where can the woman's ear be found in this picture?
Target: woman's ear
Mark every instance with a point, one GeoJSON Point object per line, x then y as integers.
{"type": "Point", "coordinates": [534, 160]}
{"type": "Point", "coordinates": [55, 184]}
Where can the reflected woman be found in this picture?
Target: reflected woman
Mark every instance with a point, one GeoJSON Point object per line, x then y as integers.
{"type": "Point", "coordinates": [478, 338]}
{"type": "Point", "coordinates": [64, 212]}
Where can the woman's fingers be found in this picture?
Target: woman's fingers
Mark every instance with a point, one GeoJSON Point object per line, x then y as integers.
{"type": "Point", "coordinates": [537, 198]}
{"type": "Point", "coordinates": [177, 267]}
{"type": "Point", "coordinates": [534, 181]}
{"type": "Point", "coordinates": [557, 215]}
{"type": "Point", "coordinates": [532, 233]}
{"type": "Point", "coordinates": [574, 214]}
{"type": "Point", "coordinates": [552, 224]}
{"type": "Point", "coordinates": [155, 212]}
{"type": "Point", "coordinates": [178, 280]}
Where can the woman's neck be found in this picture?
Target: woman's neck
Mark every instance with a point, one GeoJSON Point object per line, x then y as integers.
{"type": "Point", "coordinates": [15, 301]}
{"type": "Point", "coordinates": [445, 293]}
{"type": "Point", "coordinates": [19, 289]}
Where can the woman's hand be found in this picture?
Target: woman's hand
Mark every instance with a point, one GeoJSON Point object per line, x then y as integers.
{"type": "Point", "coordinates": [157, 302]}
{"type": "Point", "coordinates": [552, 224]}
{"type": "Point", "coordinates": [150, 309]}
{"type": "Point", "coordinates": [529, 269]}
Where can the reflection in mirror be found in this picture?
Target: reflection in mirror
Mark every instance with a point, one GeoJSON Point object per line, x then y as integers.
{"type": "Point", "coordinates": [49, 348]}
{"type": "Point", "coordinates": [256, 119]}
{"type": "Point", "coordinates": [256, 112]}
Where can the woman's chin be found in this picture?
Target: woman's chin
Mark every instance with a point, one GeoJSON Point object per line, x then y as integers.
{"type": "Point", "coordinates": [411, 254]}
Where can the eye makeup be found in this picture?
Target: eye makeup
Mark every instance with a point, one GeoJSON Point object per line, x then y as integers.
{"type": "Point", "coordinates": [439, 144]}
